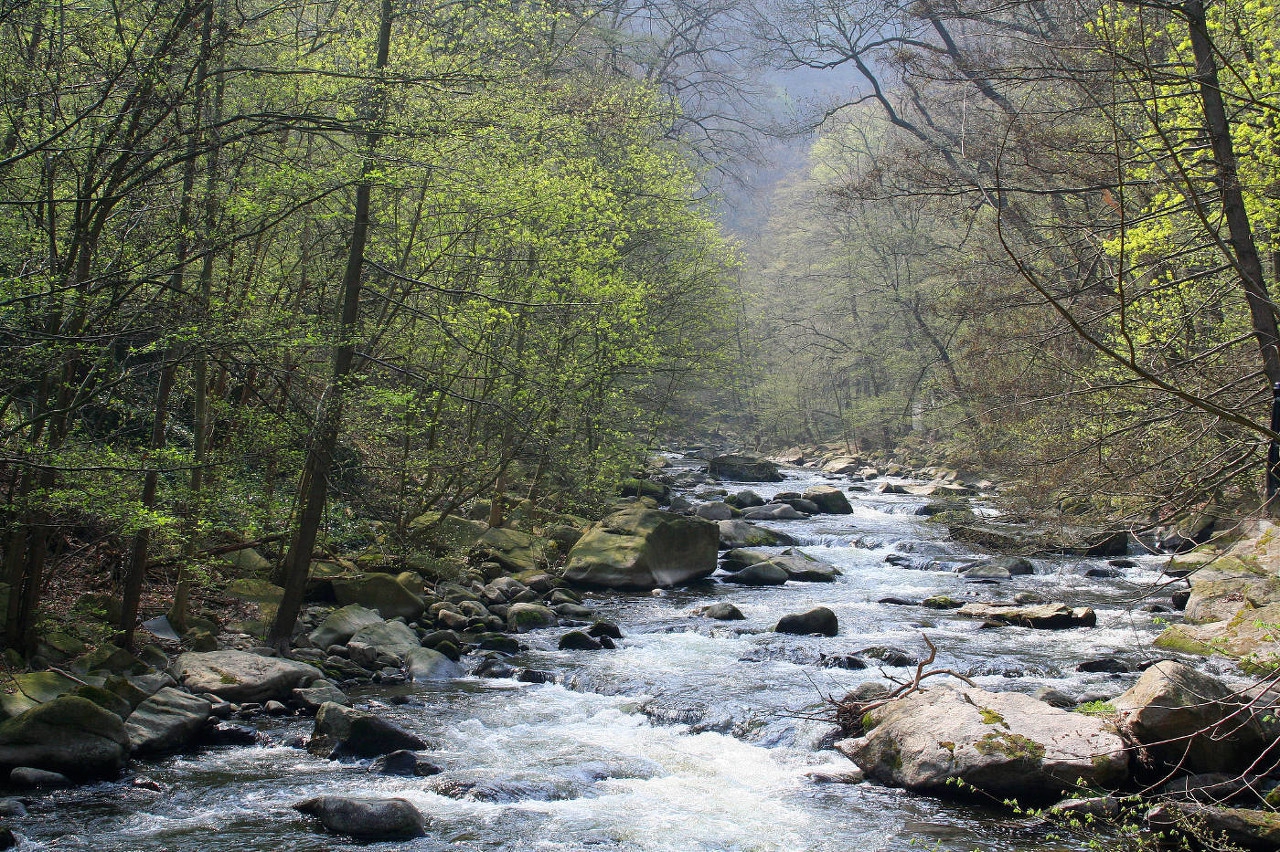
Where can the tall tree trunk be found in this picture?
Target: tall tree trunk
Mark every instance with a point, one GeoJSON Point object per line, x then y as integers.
{"type": "Point", "coordinates": [1248, 263]}
{"type": "Point", "coordinates": [314, 485]}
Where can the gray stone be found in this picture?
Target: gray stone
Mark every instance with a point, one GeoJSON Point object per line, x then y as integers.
{"type": "Point", "coordinates": [242, 677]}
{"type": "Point", "coordinates": [391, 637]}
{"type": "Point", "coordinates": [739, 533]}
{"type": "Point", "coordinates": [1054, 616]}
{"type": "Point", "coordinates": [829, 499]}
{"type": "Point", "coordinates": [714, 511]}
{"type": "Point", "coordinates": [523, 617]}
{"type": "Point", "coordinates": [428, 664]}
{"type": "Point", "coordinates": [759, 574]}
{"type": "Point", "coordinates": [29, 778]}
{"type": "Point", "coordinates": [722, 612]}
{"type": "Point", "coordinates": [1004, 744]}
{"type": "Point", "coordinates": [820, 620]}
{"type": "Point", "coordinates": [342, 732]}
{"type": "Point", "coordinates": [342, 624]}
{"type": "Point", "coordinates": [166, 722]}
{"type": "Point", "coordinates": [1192, 720]}
{"type": "Point", "coordinates": [366, 819]}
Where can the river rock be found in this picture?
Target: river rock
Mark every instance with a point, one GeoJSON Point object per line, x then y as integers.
{"type": "Point", "coordinates": [240, 676]}
{"type": "Point", "coordinates": [1004, 744]}
{"type": "Point", "coordinates": [986, 572]}
{"type": "Point", "coordinates": [405, 762]}
{"type": "Point", "coordinates": [380, 592]}
{"type": "Point", "coordinates": [70, 735]}
{"type": "Point", "coordinates": [714, 511]}
{"type": "Point", "coordinates": [741, 557]}
{"type": "Point", "coordinates": [829, 499]}
{"type": "Point", "coordinates": [819, 620]}
{"type": "Point", "coordinates": [366, 819]}
{"type": "Point", "coordinates": [576, 640]}
{"type": "Point", "coordinates": [774, 512]}
{"type": "Point", "coordinates": [428, 664]}
{"type": "Point", "coordinates": [722, 612]}
{"type": "Point", "coordinates": [759, 574]}
{"type": "Point", "coordinates": [341, 624]}
{"type": "Point", "coordinates": [1053, 616]}
{"type": "Point", "coordinates": [745, 499]}
{"type": "Point", "coordinates": [310, 698]}
{"type": "Point", "coordinates": [388, 637]}
{"type": "Point", "coordinates": [804, 568]}
{"type": "Point", "coordinates": [166, 722]}
{"type": "Point", "coordinates": [27, 778]}
{"type": "Point", "coordinates": [739, 533]}
{"type": "Point", "coordinates": [643, 548]}
{"type": "Point", "coordinates": [1190, 719]}
{"type": "Point", "coordinates": [744, 468]}
{"type": "Point", "coordinates": [342, 732]}
{"type": "Point", "coordinates": [523, 617]}
{"type": "Point", "coordinates": [1243, 828]}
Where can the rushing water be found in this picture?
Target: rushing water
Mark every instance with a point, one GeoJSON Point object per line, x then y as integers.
{"type": "Point", "coordinates": [692, 735]}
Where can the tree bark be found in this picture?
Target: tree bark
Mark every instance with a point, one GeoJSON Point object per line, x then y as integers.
{"type": "Point", "coordinates": [314, 485]}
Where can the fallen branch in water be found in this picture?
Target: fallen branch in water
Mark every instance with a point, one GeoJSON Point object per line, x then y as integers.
{"type": "Point", "coordinates": [849, 713]}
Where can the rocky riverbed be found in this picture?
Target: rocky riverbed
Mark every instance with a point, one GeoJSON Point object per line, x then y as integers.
{"type": "Point", "coordinates": [518, 714]}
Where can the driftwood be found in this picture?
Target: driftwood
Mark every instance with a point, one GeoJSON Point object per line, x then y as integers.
{"type": "Point", "coordinates": [849, 713]}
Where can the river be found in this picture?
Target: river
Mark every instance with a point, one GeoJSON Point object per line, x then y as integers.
{"type": "Point", "coordinates": [692, 735]}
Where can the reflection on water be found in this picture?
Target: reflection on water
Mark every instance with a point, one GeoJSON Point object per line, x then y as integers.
{"type": "Point", "coordinates": [693, 735]}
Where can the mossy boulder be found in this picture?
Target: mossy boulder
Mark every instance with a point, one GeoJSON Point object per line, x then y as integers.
{"type": "Point", "coordinates": [1002, 744]}
{"type": "Point", "coordinates": [642, 548]}
{"type": "Point", "coordinates": [380, 592]}
{"type": "Point", "coordinates": [71, 735]}
{"type": "Point", "coordinates": [523, 617]}
{"type": "Point", "coordinates": [514, 550]}
{"type": "Point", "coordinates": [738, 533]}
{"type": "Point", "coordinates": [445, 533]}
{"type": "Point", "coordinates": [343, 623]}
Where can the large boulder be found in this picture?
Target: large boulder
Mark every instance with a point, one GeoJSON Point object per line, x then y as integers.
{"type": "Point", "coordinates": [341, 624]}
{"type": "Point", "coordinates": [1186, 718]}
{"type": "Point", "coordinates": [514, 550]}
{"type": "Point", "coordinates": [819, 620]}
{"type": "Point", "coordinates": [744, 468]}
{"type": "Point", "coordinates": [804, 568]}
{"type": "Point", "coordinates": [1050, 616]}
{"type": "Point", "coordinates": [642, 548]}
{"type": "Point", "coordinates": [445, 533]}
{"type": "Point", "coordinates": [759, 574]}
{"type": "Point", "coordinates": [391, 637]}
{"type": "Point", "coordinates": [342, 732]}
{"type": "Point", "coordinates": [1004, 744]}
{"type": "Point", "coordinates": [380, 592]}
{"type": "Point", "coordinates": [166, 722]}
{"type": "Point", "coordinates": [240, 676]}
{"type": "Point", "coordinates": [830, 500]}
{"type": "Point", "coordinates": [70, 735]}
{"type": "Point", "coordinates": [426, 664]}
{"type": "Point", "coordinates": [739, 533]}
{"type": "Point", "coordinates": [366, 819]}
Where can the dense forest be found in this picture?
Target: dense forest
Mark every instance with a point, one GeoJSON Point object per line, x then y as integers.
{"type": "Point", "coordinates": [300, 273]}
